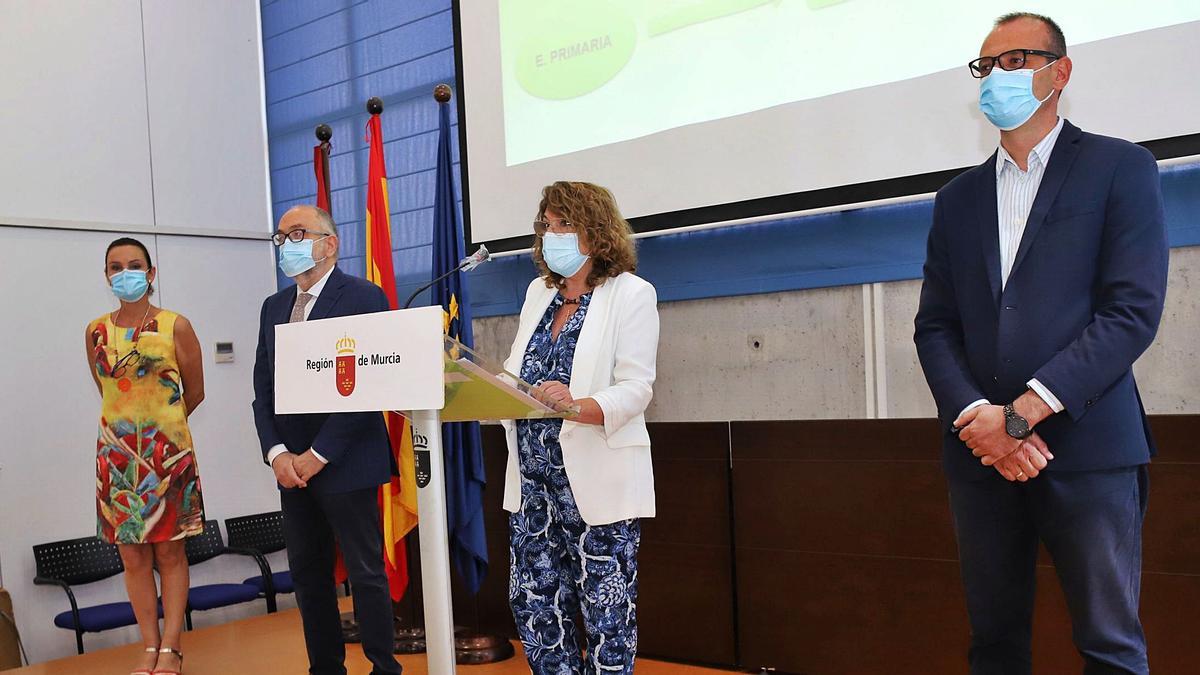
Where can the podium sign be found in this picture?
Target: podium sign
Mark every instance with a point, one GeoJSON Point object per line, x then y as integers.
{"type": "Point", "coordinates": [402, 360]}
{"type": "Point", "coordinates": [361, 363]}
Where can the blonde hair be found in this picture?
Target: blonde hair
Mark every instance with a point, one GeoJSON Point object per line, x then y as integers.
{"type": "Point", "coordinates": [593, 211]}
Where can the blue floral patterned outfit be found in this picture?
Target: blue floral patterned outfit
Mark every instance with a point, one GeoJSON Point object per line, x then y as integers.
{"type": "Point", "coordinates": [561, 566]}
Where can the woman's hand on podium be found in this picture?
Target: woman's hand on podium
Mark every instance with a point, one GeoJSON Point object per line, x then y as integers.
{"type": "Point", "coordinates": [558, 396]}
{"type": "Point", "coordinates": [554, 394]}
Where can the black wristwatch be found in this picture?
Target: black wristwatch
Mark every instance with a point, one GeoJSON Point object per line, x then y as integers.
{"type": "Point", "coordinates": [1015, 425]}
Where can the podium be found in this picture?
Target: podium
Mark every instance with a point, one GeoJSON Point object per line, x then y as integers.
{"type": "Point", "coordinates": [403, 361]}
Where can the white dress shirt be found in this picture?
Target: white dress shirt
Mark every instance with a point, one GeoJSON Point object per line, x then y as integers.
{"type": "Point", "coordinates": [315, 292]}
{"type": "Point", "coordinates": [1015, 192]}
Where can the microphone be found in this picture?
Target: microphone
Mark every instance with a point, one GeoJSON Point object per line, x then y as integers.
{"type": "Point", "coordinates": [468, 263]}
{"type": "Point", "coordinates": [476, 259]}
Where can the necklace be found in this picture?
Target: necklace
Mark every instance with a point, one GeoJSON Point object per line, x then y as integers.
{"type": "Point", "coordinates": [137, 331]}
{"type": "Point", "coordinates": [575, 300]}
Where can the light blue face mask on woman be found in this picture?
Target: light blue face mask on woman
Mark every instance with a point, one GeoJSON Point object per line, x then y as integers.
{"type": "Point", "coordinates": [1006, 97]}
{"type": "Point", "coordinates": [295, 257]}
{"type": "Point", "coordinates": [130, 285]}
{"type": "Point", "coordinates": [561, 253]}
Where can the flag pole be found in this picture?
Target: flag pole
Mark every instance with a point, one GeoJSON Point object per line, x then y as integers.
{"type": "Point", "coordinates": [433, 528]}
{"type": "Point", "coordinates": [461, 439]}
{"type": "Point", "coordinates": [323, 132]}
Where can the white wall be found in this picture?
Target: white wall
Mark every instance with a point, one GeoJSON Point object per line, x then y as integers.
{"type": "Point", "coordinates": [102, 141]}
{"type": "Point", "coordinates": [133, 114]}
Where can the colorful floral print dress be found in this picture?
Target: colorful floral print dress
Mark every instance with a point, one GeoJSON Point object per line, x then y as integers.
{"type": "Point", "coordinates": [147, 481]}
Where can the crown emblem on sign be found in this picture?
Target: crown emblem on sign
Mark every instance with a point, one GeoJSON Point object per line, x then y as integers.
{"type": "Point", "coordinates": [345, 345]}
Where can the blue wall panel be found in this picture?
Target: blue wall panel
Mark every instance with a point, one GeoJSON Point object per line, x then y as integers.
{"type": "Point", "coordinates": [323, 60]}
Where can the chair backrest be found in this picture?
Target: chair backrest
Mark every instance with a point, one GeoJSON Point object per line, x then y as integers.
{"type": "Point", "coordinates": [262, 532]}
{"type": "Point", "coordinates": [205, 546]}
{"type": "Point", "coordinates": [78, 561]}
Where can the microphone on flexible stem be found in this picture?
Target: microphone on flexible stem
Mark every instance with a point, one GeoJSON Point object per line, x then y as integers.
{"type": "Point", "coordinates": [468, 263]}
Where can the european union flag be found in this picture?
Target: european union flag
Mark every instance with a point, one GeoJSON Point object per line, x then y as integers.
{"type": "Point", "coordinates": [465, 478]}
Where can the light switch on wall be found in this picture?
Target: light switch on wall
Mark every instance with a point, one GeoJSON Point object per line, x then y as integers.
{"type": "Point", "coordinates": [224, 352]}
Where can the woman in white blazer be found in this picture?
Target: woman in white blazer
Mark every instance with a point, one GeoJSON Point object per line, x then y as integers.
{"type": "Point", "coordinates": [588, 337]}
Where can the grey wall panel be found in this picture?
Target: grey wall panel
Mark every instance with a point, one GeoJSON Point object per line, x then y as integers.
{"type": "Point", "coordinates": [1168, 374]}
{"type": "Point", "coordinates": [494, 336]}
{"type": "Point", "coordinates": [73, 111]}
{"type": "Point", "coordinates": [907, 393]}
{"type": "Point", "coordinates": [809, 364]}
{"type": "Point", "coordinates": [207, 130]}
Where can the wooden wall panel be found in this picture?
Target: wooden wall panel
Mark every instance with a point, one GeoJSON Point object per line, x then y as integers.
{"type": "Point", "coordinates": [828, 548]}
{"type": "Point", "coordinates": [870, 495]}
{"type": "Point", "coordinates": [685, 604]}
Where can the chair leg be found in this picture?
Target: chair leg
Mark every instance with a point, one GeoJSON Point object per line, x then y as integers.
{"type": "Point", "coordinates": [79, 640]}
{"type": "Point", "coordinates": [187, 617]}
{"type": "Point", "coordinates": [271, 606]}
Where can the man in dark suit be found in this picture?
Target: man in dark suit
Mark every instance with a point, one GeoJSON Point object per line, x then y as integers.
{"type": "Point", "coordinates": [1044, 282]}
{"type": "Point", "coordinates": [329, 466]}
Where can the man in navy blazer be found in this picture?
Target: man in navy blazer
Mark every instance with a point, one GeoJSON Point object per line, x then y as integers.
{"type": "Point", "coordinates": [1044, 282]}
{"type": "Point", "coordinates": [329, 466]}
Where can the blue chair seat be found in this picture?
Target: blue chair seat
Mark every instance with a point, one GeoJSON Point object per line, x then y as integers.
{"type": "Point", "coordinates": [100, 617]}
{"type": "Point", "coordinates": [212, 596]}
{"type": "Point", "coordinates": [282, 580]}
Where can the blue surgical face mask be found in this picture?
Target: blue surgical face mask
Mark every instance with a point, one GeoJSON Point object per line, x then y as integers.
{"type": "Point", "coordinates": [296, 257]}
{"type": "Point", "coordinates": [1006, 97]}
{"type": "Point", "coordinates": [561, 253]}
{"type": "Point", "coordinates": [130, 285]}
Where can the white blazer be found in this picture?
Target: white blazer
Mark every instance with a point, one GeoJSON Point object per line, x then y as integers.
{"type": "Point", "coordinates": [608, 466]}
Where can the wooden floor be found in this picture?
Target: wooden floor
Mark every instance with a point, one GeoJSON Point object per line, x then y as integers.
{"type": "Point", "coordinates": [273, 643]}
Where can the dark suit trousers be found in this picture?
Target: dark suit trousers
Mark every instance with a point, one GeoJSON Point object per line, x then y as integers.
{"type": "Point", "coordinates": [311, 523]}
{"type": "Point", "coordinates": [1091, 524]}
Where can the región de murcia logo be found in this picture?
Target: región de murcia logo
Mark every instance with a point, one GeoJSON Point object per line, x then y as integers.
{"type": "Point", "coordinates": [348, 363]}
{"type": "Point", "coordinates": [345, 366]}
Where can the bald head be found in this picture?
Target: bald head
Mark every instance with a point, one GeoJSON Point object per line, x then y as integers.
{"type": "Point", "coordinates": [318, 226]}
{"type": "Point", "coordinates": [315, 218]}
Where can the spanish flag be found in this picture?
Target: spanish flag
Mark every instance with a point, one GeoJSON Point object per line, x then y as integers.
{"type": "Point", "coordinates": [398, 498]}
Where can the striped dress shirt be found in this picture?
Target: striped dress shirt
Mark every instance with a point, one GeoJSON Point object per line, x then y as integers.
{"type": "Point", "coordinates": [1015, 192]}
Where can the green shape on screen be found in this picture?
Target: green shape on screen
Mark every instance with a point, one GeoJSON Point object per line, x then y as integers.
{"type": "Point", "coordinates": [683, 16]}
{"type": "Point", "coordinates": [570, 47]}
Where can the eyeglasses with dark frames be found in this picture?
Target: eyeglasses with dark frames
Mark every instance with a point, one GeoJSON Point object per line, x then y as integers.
{"type": "Point", "coordinates": [133, 358]}
{"type": "Point", "coordinates": [1011, 60]}
{"type": "Point", "coordinates": [295, 236]}
{"type": "Point", "coordinates": [541, 227]}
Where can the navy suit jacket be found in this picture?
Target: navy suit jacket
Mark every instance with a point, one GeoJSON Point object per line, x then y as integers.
{"type": "Point", "coordinates": [1082, 302]}
{"type": "Point", "coordinates": [356, 444]}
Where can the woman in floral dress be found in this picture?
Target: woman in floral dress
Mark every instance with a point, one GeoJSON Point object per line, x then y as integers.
{"type": "Point", "coordinates": [146, 362]}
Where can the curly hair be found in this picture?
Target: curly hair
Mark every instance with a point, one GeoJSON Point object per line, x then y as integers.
{"type": "Point", "coordinates": [593, 211]}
